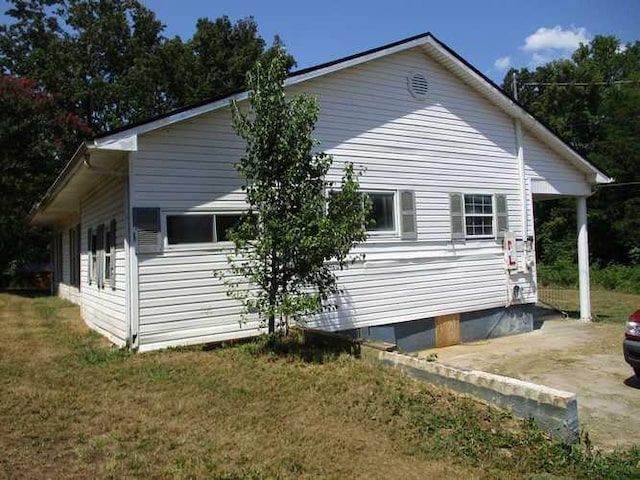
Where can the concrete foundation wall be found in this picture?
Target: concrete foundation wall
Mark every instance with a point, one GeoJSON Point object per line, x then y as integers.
{"type": "Point", "coordinates": [496, 322]}
{"type": "Point", "coordinates": [480, 325]}
{"type": "Point", "coordinates": [555, 411]}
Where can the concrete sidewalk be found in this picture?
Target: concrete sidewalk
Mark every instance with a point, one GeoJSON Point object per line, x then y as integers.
{"type": "Point", "coordinates": [585, 358]}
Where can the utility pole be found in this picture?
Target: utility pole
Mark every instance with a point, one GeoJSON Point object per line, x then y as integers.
{"type": "Point", "coordinates": [514, 86]}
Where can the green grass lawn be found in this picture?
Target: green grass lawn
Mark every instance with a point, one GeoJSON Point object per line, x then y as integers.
{"type": "Point", "coordinates": [71, 406]}
{"type": "Point", "coordinates": [606, 305]}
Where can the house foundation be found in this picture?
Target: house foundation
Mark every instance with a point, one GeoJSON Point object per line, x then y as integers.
{"type": "Point", "coordinates": [473, 326]}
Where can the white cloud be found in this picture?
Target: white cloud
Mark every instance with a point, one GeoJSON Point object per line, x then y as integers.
{"type": "Point", "coordinates": [538, 59]}
{"type": "Point", "coordinates": [502, 63]}
{"type": "Point", "coordinates": [556, 38]}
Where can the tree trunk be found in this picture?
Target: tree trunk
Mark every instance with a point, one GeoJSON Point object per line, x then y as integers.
{"type": "Point", "coordinates": [273, 293]}
{"type": "Point", "coordinates": [272, 324]}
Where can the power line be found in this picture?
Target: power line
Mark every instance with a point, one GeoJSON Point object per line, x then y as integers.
{"type": "Point", "coordinates": [577, 84]}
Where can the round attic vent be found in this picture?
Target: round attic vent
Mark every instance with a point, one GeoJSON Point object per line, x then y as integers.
{"type": "Point", "coordinates": [418, 85]}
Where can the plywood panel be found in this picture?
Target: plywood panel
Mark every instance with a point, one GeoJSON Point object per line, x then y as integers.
{"type": "Point", "coordinates": [447, 330]}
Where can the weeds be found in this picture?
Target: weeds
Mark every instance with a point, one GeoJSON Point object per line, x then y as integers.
{"type": "Point", "coordinates": [564, 273]}
{"type": "Point", "coordinates": [299, 345]}
{"type": "Point", "coordinates": [98, 355]}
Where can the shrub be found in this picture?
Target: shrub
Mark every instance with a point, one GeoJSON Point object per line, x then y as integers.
{"type": "Point", "coordinates": [623, 278]}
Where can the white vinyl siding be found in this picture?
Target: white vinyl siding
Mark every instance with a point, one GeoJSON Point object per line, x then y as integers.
{"type": "Point", "coordinates": [542, 165]}
{"type": "Point", "coordinates": [104, 308]}
{"type": "Point", "coordinates": [66, 289]}
{"type": "Point", "coordinates": [452, 141]}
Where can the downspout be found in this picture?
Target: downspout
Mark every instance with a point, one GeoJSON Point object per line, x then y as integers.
{"type": "Point", "coordinates": [523, 183]}
{"type": "Point", "coordinates": [523, 190]}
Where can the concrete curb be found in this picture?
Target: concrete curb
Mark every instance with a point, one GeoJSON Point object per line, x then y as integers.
{"type": "Point", "coordinates": [554, 410]}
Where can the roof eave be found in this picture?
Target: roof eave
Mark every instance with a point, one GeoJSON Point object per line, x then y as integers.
{"type": "Point", "coordinates": [517, 110]}
{"type": "Point", "coordinates": [126, 137]}
{"type": "Point", "coordinates": [294, 78]}
{"type": "Point", "coordinates": [59, 183]}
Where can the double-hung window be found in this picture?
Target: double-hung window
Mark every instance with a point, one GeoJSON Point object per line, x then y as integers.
{"type": "Point", "coordinates": [475, 215]}
{"type": "Point", "coordinates": [93, 256]}
{"type": "Point", "coordinates": [109, 240]}
{"type": "Point", "coordinates": [101, 246]}
{"type": "Point", "coordinates": [478, 215]}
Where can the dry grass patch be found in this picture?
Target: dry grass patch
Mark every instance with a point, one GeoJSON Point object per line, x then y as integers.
{"type": "Point", "coordinates": [72, 406]}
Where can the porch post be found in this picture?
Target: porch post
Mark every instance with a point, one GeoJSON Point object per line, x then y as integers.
{"type": "Point", "coordinates": [583, 259]}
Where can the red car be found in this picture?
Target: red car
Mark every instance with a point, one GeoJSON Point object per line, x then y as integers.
{"type": "Point", "coordinates": [631, 344]}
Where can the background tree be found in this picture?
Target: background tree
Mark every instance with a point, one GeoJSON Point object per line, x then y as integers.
{"type": "Point", "coordinates": [94, 54]}
{"type": "Point", "coordinates": [592, 100]}
{"type": "Point", "coordinates": [36, 138]}
{"type": "Point", "coordinates": [104, 64]}
{"type": "Point", "coordinates": [111, 64]}
{"type": "Point", "coordinates": [293, 237]}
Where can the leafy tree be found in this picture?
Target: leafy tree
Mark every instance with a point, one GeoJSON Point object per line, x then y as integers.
{"type": "Point", "coordinates": [592, 101]}
{"type": "Point", "coordinates": [98, 65]}
{"type": "Point", "coordinates": [293, 236]}
{"type": "Point", "coordinates": [36, 138]}
{"type": "Point", "coordinates": [94, 53]}
{"type": "Point", "coordinates": [111, 64]}
{"type": "Point", "coordinates": [213, 63]}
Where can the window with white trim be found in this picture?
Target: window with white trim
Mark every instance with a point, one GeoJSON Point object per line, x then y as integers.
{"type": "Point", "coordinates": [108, 241]}
{"type": "Point", "coordinates": [475, 215]}
{"type": "Point", "coordinates": [478, 215]}
{"type": "Point", "coordinates": [197, 228]}
{"type": "Point", "coordinates": [382, 216]}
{"type": "Point", "coordinates": [93, 256]}
{"type": "Point", "coordinates": [74, 256]}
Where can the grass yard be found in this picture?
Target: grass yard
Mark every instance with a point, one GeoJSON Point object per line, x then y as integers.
{"type": "Point", "coordinates": [72, 406]}
{"type": "Point", "coordinates": [607, 306]}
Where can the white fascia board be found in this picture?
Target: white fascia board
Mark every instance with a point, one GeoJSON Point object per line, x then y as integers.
{"type": "Point", "coordinates": [123, 141]}
{"type": "Point", "coordinates": [357, 61]}
{"type": "Point", "coordinates": [163, 122]}
{"type": "Point", "coordinates": [511, 107]}
{"type": "Point", "coordinates": [596, 176]}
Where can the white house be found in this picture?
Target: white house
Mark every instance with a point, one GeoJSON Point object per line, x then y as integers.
{"type": "Point", "coordinates": [453, 166]}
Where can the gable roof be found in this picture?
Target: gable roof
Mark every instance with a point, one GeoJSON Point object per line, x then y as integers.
{"type": "Point", "coordinates": [437, 49]}
{"type": "Point", "coordinates": [125, 138]}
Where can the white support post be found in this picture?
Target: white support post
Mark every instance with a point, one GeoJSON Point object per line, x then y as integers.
{"type": "Point", "coordinates": [583, 260]}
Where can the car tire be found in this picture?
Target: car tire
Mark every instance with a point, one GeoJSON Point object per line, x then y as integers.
{"type": "Point", "coordinates": [637, 371]}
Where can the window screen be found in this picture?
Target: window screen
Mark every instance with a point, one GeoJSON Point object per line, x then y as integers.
{"type": "Point", "coordinates": [189, 229]}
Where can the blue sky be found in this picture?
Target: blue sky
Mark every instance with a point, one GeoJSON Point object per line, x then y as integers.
{"type": "Point", "coordinates": [491, 34]}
